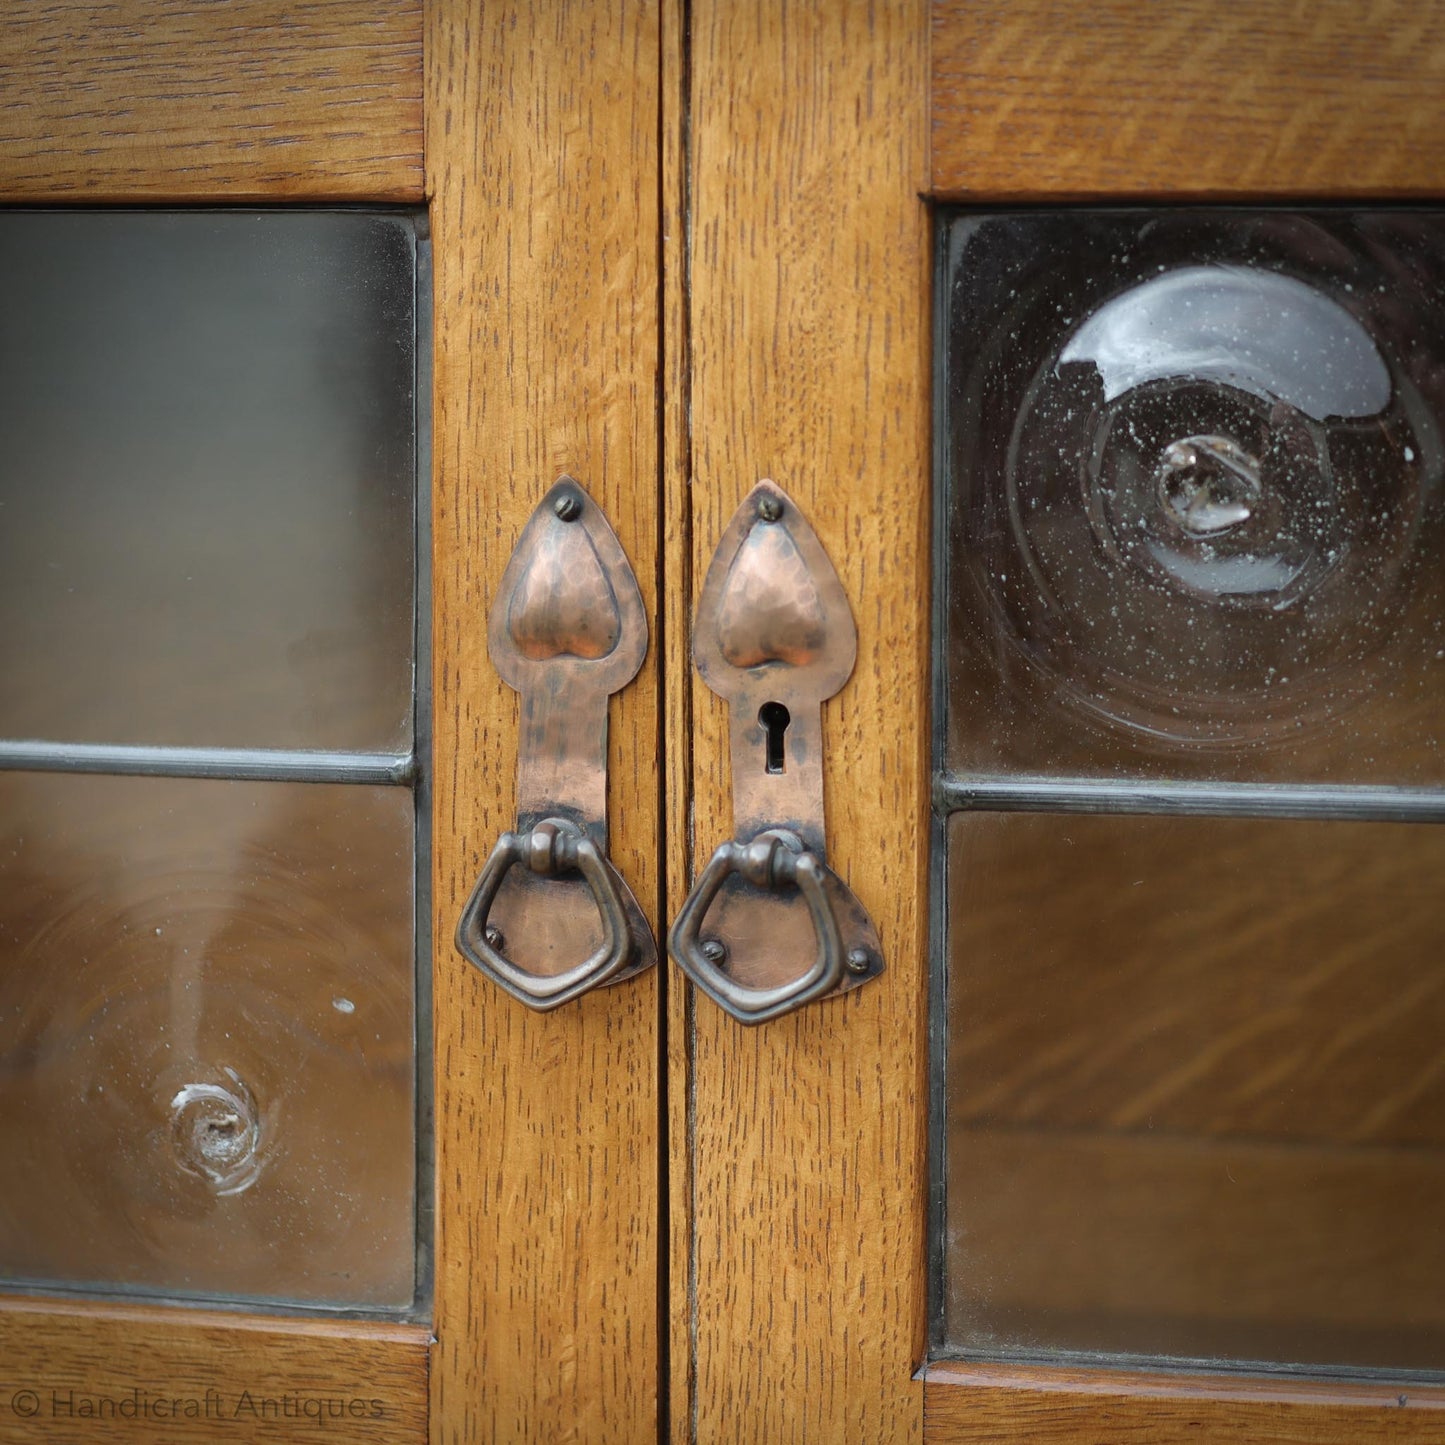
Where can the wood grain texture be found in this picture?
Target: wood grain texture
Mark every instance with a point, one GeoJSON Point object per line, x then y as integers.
{"type": "Point", "coordinates": [809, 295]}
{"type": "Point", "coordinates": [974, 1404]}
{"type": "Point", "coordinates": [161, 100]}
{"type": "Point", "coordinates": [542, 126]}
{"type": "Point", "coordinates": [676, 732]}
{"type": "Point", "coordinates": [93, 1372]}
{"type": "Point", "coordinates": [1268, 99]}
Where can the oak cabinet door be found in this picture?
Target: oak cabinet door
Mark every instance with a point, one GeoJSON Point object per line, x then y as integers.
{"type": "Point", "coordinates": [520, 146]}
{"type": "Point", "coordinates": [821, 144]}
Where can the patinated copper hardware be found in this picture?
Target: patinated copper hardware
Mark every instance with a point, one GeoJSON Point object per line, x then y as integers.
{"type": "Point", "coordinates": [769, 926]}
{"type": "Point", "coordinates": [550, 917]}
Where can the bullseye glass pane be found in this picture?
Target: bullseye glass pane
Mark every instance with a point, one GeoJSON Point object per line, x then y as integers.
{"type": "Point", "coordinates": [208, 477]}
{"type": "Point", "coordinates": [1195, 515]}
{"type": "Point", "coordinates": [1194, 1089]}
{"type": "Point", "coordinates": [207, 1038]}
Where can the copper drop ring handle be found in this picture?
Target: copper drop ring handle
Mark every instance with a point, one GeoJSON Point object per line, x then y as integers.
{"type": "Point", "coordinates": [553, 848]}
{"type": "Point", "coordinates": [770, 926]}
{"type": "Point", "coordinates": [774, 860]}
{"type": "Point", "coordinates": [567, 630]}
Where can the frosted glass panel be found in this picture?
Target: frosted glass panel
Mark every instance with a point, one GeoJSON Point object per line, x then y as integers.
{"type": "Point", "coordinates": [1195, 520]}
{"type": "Point", "coordinates": [207, 1037]}
{"type": "Point", "coordinates": [1195, 1089]}
{"type": "Point", "coordinates": [207, 478]}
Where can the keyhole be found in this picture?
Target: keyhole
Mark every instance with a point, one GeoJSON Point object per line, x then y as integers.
{"type": "Point", "coordinates": [775, 719]}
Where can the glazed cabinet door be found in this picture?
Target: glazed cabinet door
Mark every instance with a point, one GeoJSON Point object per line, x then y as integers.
{"type": "Point", "coordinates": [1030, 311]}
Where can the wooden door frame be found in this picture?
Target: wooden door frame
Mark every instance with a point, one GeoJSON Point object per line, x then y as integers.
{"type": "Point", "coordinates": [542, 172]}
{"type": "Point", "coordinates": [800, 336]}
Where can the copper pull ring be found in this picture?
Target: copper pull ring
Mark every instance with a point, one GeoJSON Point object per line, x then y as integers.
{"type": "Point", "coordinates": [772, 861]}
{"type": "Point", "coordinates": [552, 849]}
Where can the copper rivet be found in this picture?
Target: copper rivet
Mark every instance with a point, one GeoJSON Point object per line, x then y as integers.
{"type": "Point", "coordinates": [494, 937]}
{"type": "Point", "coordinates": [568, 506]}
{"type": "Point", "coordinates": [715, 951]}
{"type": "Point", "coordinates": [858, 960]}
{"type": "Point", "coordinates": [769, 508]}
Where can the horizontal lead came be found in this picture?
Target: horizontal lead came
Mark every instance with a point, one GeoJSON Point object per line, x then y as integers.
{"type": "Point", "coordinates": [248, 764]}
{"type": "Point", "coordinates": [952, 794]}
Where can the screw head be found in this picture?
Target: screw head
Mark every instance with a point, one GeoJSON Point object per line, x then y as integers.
{"type": "Point", "coordinates": [494, 937]}
{"type": "Point", "coordinates": [858, 960]}
{"type": "Point", "coordinates": [770, 509]}
{"type": "Point", "coordinates": [568, 506]}
{"type": "Point", "coordinates": [715, 951]}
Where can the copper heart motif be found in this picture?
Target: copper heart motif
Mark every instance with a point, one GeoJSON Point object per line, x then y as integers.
{"type": "Point", "coordinates": [770, 609]}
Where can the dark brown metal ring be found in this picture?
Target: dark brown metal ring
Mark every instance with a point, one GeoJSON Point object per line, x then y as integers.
{"type": "Point", "coordinates": [552, 848]}
{"type": "Point", "coordinates": [772, 860]}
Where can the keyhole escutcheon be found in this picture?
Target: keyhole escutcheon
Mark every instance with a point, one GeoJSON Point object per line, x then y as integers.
{"type": "Point", "coordinates": [774, 718]}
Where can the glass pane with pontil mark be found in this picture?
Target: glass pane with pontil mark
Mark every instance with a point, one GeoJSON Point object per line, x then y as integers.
{"type": "Point", "coordinates": [1195, 519]}
{"type": "Point", "coordinates": [208, 477]}
{"type": "Point", "coordinates": [207, 1032]}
